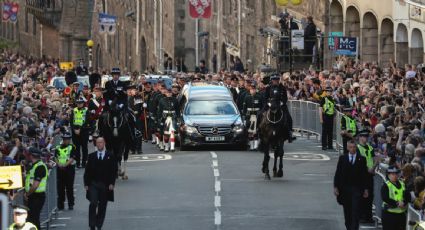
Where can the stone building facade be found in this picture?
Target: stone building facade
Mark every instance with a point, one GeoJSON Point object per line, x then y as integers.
{"type": "Point", "coordinates": [150, 31]}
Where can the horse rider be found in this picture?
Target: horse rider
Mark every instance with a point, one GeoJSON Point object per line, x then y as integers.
{"type": "Point", "coordinates": [135, 105]}
{"type": "Point", "coordinates": [95, 108]}
{"type": "Point", "coordinates": [348, 127]}
{"type": "Point", "coordinates": [326, 114]}
{"type": "Point", "coordinates": [35, 186]}
{"type": "Point", "coordinates": [168, 111]}
{"type": "Point", "coordinates": [275, 90]}
{"type": "Point", "coordinates": [20, 214]}
{"type": "Point", "coordinates": [79, 120]}
{"type": "Point", "coordinates": [395, 199]}
{"type": "Point", "coordinates": [366, 150]}
{"type": "Point", "coordinates": [65, 154]}
{"type": "Point", "coordinates": [253, 102]}
{"type": "Point", "coordinates": [152, 109]}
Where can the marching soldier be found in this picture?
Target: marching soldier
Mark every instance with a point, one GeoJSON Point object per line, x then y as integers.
{"type": "Point", "coordinates": [366, 150]}
{"type": "Point", "coordinates": [85, 95]}
{"type": "Point", "coordinates": [395, 199]}
{"type": "Point", "coordinates": [20, 214]}
{"type": "Point", "coordinates": [155, 106]}
{"type": "Point", "coordinates": [135, 105]}
{"type": "Point", "coordinates": [35, 186]}
{"type": "Point", "coordinates": [95, 108]}
{"type": "Point", "coordinates": [79, 125]}
{"type": "Point", "coordinates": [327, 113]}
{"type": "Point", "coordinates": [152, 108]}
{"type": "Point", "coordinates": [168, 111]}
{"type": "Point", "coordinates": [252, 105]}
{"type": "Point", "coordinates": [146, 92]}
{"type": "Point", "coordinates": [348, 127]}
{"type": "Point", "coordinates": [65, 155]}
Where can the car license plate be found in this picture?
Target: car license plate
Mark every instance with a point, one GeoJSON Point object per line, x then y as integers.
{"type": "Point", "coordinates": [217, 138]}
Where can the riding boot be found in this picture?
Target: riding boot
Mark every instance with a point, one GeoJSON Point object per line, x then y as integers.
{"type": "Point", "coordinates": [255, 144]}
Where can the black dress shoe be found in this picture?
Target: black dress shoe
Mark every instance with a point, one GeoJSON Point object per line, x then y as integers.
{"type": "Point", "coordinates": [324, 148]}
{"type": "Point", "coordinates": [71, 208]}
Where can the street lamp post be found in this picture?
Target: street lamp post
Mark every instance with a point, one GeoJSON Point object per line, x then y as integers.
{"type": "Point", "coordinates": [90, 44]}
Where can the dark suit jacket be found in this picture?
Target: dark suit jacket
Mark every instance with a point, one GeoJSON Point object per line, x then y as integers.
{"type": "Point", "coordinates": [107, 168]}
{"type": "Point", "coordinates": [350, 177]}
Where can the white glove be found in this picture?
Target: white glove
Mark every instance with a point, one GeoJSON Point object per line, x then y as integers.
{"type": "Point", "coordinates": [121, 105]}
{"type": "Point", "coordinates": [93, 111]}
{"type": "Point", "coordinates": [110, 102]}
{"type": "Point", "coordinates": [145, 105]}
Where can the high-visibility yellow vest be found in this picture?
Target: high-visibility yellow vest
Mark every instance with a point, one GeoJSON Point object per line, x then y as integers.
{"type": "Point", "coordinates": [30, 178]}
{"type": "Point", "coordinates": [350, 125]}
{"type": "Point", "coordinates": [329, 107]}
{"type": "Point", "coordinates": [27, 226]}
{"type": "Point", "coordinates": [79, 116]}
{"type": "Point", "coordinates": [367, 153]}
{"type": "Point", "coordinates": [64, 154]}
{"type": "Point", "coordinates": [395, 194]}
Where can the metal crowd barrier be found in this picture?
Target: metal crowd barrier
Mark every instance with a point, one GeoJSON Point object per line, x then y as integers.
{"type": "Point", "coordinates": [306, 119]}
{"type": "Point", "coordinates": [49, 209]}
{"type": "Point", "coordinates": [378, 181]}
{"type": "Point", "coordinates": [413, 216]}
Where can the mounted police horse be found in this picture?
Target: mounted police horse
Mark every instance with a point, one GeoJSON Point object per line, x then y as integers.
{"type": "Point", "coordinates": [273, 131]}
{"type": "Point", "coordinates": [117, 131]}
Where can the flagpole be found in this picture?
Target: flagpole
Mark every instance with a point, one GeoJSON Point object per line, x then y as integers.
{"type": "Point", "coordinates": [197, 41]}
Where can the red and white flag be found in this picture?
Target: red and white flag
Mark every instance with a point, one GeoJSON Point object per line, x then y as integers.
{"type": "Point", "coordinates": [200, 8]}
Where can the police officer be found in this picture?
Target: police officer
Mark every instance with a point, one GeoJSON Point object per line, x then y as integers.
{"type": "Point", "coordinates": [20, 214]}
{"type": "Point", "coordinates": [65, 155]}
{"type": "Point", "coordinates": [79, 125]}
{"type": "Point", "coordinates": [366, 150]}
{"type": "Point", "coordinates": [135, 105]}
{"type": "Point", "coordinates": [168, 110]}
{"type": "Point", "coordinates": [35, 186]}
{"type": "Point", "coordinates": [348, 127]}
{"type": "Point", "coordinates": [278, 92]}
{"type": "Point", "coordinates": [327, 113]}
{"type": "Point", "coordinates": [115, 90]}
{"type": "Point", "coordinates": [395, 199]}
{"type": "Point", "coordinates": [253, 102]}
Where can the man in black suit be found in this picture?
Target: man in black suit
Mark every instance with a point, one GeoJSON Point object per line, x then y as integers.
{"type": "Point", "coordinates": [99, 181]}
{"type": "Point", "coordinates": [350, 184]}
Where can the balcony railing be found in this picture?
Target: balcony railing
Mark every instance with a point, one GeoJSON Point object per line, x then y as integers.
{"type": "Point", "coordinates": [48, 12]}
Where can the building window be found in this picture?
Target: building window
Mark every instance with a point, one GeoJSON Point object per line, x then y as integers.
{"type": "Point", "coordinates": [34, 25]}
{"type": "Point", "coordinates": [26, 22]}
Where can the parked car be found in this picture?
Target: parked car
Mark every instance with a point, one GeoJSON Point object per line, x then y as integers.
{"type": "Point", "coordinates": [153, 79]}
{"type": "Point", "coordinates": [210, 117]}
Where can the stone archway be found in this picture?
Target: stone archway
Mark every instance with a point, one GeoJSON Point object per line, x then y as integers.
{"type": "Point", "coordinates": [352, 22]}
{"type": "Point", "coordinates": [416, 47]}
{"type": "Point", "coordinates": [402, 45]}
{"type": "Point", "coordinates": [143, 56]}
{"type": "Point", "coordinates": [369, 36]}
{"type": "Point", "coordinates": [337, 17]}
{"type": "Point", "coordinates": [387, 41]}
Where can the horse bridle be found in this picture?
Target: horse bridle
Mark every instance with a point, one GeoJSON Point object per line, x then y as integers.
{"type": "Point", "coordinates": [274, 122]}
{"type": "Point", "coordinates": [112, 126]}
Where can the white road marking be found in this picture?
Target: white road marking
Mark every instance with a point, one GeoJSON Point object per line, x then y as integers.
{"type": "Point", "coordinates": [63, 218]}
{"type": "Point", "coordinates": [150, 157]}
{"type": "Point", "coordinates": [217, 189]}
{"type": "Point", "coordinates": [217, 186]}
{"type": "Point", "coordinates": [57, 225]}
{"type": "Point", "coordinates": [300, 157]}
{"type": "Point", "coordinates": [217, 201]}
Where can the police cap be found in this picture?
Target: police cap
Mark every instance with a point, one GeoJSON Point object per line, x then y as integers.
{"type": "Point", "coordinates": [274, 77]}
{"type": "Point", "coordinates": [35, 151]}
{"type": "Point", "coordinates": [328, 89]}
{"type": "Point", "coordinates": [393, 169]}
{"type": "Point", "coordinates": [79, 101]}
{"type": "Point", "coordinates": [364, 133]}
{"type": "Point", "coordinates": [66, 135]}
{"type": "Point", "coordinates": [20, 209]}
{"type": "Point", "coordinates": [115, 70]}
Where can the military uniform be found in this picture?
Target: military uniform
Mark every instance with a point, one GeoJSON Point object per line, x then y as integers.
{"type": "Point", "coordinates": [65, 155]}
{"type": "Point", "coordinates": [146, 95]}
{"type": "Point", "coordinates": [135, 105]}
{"type": "Point", "coordinates": [328, 112]}
{"type": "Point", "coordinates": [80, 126]}
{"type": "Point", "coordinates": [168, 113]}
{"type": "Point", "coordinates": [155, 105]}
{"type": "Point", "coordinates": [251, 107]}
{"type": "Point", "coordinates": [152, 109]}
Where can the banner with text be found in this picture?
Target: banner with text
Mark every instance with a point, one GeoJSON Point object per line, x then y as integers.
{"type": "Point", "coordinates": [347, 46]}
